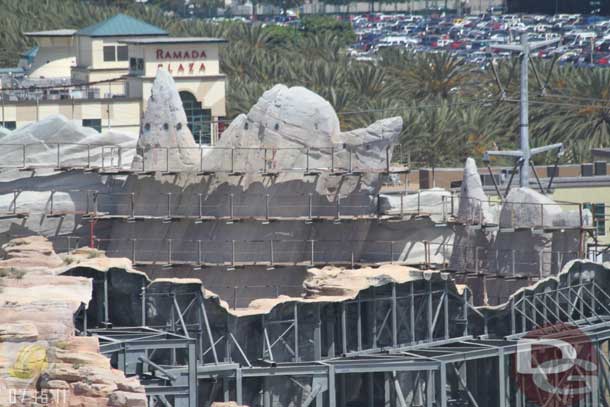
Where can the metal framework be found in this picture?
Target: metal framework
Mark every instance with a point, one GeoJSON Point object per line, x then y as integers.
{"type": "Point", "coordinates": [116, 159]}
{"type": "Point", "coordinates": [409, 346]}
{"type": "Point", "coordinates": [277, 253]}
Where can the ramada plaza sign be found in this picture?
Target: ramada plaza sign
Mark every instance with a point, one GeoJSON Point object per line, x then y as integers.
{"type": "Point", "coordinates": [181, 61]}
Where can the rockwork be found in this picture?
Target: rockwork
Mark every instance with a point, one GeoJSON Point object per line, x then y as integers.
{"type": "Point", "coordinates": [40, 356]}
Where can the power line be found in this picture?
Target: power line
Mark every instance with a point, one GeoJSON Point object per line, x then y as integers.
{"type": "Point", "coordinates": [416, 107]}
{"type": "Point", "coordinates": [565, 104]}
{"type": "Point", "coordinates": [578, 98]}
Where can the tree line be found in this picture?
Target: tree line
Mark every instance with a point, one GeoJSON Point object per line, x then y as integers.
{"type": "Point", "coordinates": [450, 109]}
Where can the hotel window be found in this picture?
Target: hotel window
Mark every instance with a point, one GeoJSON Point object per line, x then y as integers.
{"type": "Point", "coordinates": [598, 210]}
{"type": "Point", "coordinates": [136, 66]}
{"type": "Point", "coordinates": [93, 123]}
{"type": "Point", "coordinates": [199, 120]}
{"type": "Point", "coordinates": [122, 53]}
{"type": "Point", "coordinates": [9, 125]}
{"type": "Point", "coordinates": [109, 53]}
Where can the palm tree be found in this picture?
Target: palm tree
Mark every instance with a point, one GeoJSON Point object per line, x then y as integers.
{"type": "Point", "coordinates": [433, 75]}
{"type": "Point", "coordinates": [367, 80]}
{"type": "Point", "coordinates": [577, 113]}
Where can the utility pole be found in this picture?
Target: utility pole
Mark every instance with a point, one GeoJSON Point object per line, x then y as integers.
{"type": "Point", "coordinates": [525, 153]}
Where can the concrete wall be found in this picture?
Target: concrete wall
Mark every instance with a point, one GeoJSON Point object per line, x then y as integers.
{"type": "Point", "coordinates": [173, 56]}
{"type": "Point", "coordinates": [200, 76]}
{"type": "Point", "coordinates": [120, 114]}
{"type": "Point", "coordinates": [587, 194]}
{"type": "Point", "coordinates": [84, 53]}
{"type": "Point", "coordinates": [55, 58]}
{"type": "Point", "coordinates": [443, 177]}
{"type": "Point", "coordinates": [209, 90]}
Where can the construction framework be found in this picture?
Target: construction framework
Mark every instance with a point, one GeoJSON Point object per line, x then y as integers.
{"type": "Point", "coordinates": [409, 344]}
{"type": "Point", "coordinates": [109, 159]}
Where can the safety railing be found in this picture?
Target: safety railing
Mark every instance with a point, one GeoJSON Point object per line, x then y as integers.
{"type": "Point", "coordinates": [466, 259]}
{"type": "Point", "coordinates": [517, 214]}
{"type": "Point", "coordinates": [229, 206]}
{"type": "Point", "coordinates": [66, 156]}
{"type": "Point", "coordinates": [235, 206]}
{"type": "Point", "coordinates": [233, 160]}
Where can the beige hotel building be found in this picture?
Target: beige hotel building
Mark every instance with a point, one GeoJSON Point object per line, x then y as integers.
{"type": "Point", "coordinates": [102, 75]}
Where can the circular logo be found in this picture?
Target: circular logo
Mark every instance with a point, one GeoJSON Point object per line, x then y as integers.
{"type": "Point", "coordinates": [556, 366]}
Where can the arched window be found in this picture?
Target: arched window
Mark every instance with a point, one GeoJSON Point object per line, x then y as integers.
{"type": "Point", "coordinates": [198, 119]}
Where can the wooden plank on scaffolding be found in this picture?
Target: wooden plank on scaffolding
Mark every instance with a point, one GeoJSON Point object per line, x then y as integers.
{"type": "Point", "coordinates": [14, 215]}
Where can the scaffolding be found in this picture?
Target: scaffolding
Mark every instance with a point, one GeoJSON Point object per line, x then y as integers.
{"type": "Point", "coordinates": [414, 343]}
{"type": "Point", "coordinates": [110, 159]}
{"type": "Point", "coordinates": [417, 343]}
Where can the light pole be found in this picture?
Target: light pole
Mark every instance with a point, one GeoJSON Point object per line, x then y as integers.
{"type": "Point", "coordinates": [525, 153]}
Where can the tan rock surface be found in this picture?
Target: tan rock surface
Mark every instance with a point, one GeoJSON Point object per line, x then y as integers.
{"type": "Point", "coordinates": [30, 252]}
{"type": "Point", "coordinates": [18, 332]}
{"type": "Point", "coordinates": [38, 348]}
{"type": "Point", "coordinates": [125, 399]}
{"type": "Point", "coordinates": [332, 284]}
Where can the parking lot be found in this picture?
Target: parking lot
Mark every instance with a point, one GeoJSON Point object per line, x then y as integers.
{"type": "Point", "coordinates": [584, 40]}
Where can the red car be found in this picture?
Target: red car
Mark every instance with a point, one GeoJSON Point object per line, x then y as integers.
{"type": "Point", "coordinates": [458, 44]}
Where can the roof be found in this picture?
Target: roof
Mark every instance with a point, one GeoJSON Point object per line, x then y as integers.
{"type": "Point", "coordinates": [64, 32]}
{"type": "Point", "coordinates": [120, 25]}
{"type": "Point", "coordinates": [175, 40]}
{"type": "Point", "coordinates": [13, 70]}
{"type": "Point", "coordinates": [605, 152]}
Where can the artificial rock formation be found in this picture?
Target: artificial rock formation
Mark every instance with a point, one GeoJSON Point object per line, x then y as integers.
{"type": "Point", "coordinates": [258, 169]}
{"type": "Point", "coordinates": [473, 205]}
{"type": "Point", "coordinates": [289, 121]}
{"type": "Point", "coordinates": [40, 357]}
{"type": "Point", "coordinates": [164, 134]}
{"type": "Point", "coordinates": [50, 145]}
{"type": "Point", "coordinates": [258, 162]}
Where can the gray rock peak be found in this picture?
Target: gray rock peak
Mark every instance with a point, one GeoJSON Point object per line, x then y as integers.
{"type": "Point", "coordinates": [290, 121]}
{"type": "Point", "coordinates": [164, 132]}
{"type": "Point", "coordinates": [526, 207]}
{"type": "Point", "coordinates": [474, 207]}
{"type": "Point", "coordinates": [286, 117]}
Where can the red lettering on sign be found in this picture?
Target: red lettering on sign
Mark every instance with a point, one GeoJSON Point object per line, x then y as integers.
{"type": "Point", "coordinates": [179, 54]}
{"type": "Point", "coordinates": [191, 67]}
{"type": "Point", "coordinates": [201, 67]}
{"type": "Point", "coordinates": [180, 68]}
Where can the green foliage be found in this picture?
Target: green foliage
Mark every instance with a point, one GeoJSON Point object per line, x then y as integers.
{"type": "Point", "coordinates": [450, 110]}
{"type": "Point", "coordinates": [281, 36]}
{"type": "Point", "coordinates": [314, 25]}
